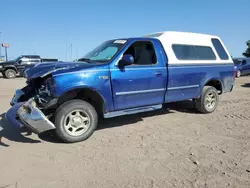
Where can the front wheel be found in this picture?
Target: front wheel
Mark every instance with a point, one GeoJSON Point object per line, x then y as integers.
{"type": "Point", "coordinates": [10, 73]}
{"type": "Point", "coordinates": [208, 101]}
{"type": "Point", "coordinates": [75, 121]}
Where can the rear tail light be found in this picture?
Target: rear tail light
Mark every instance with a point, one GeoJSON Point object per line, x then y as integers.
{"type": "Point", "coordinates": [235, 72]}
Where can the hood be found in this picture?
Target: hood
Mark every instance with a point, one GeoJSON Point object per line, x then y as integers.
{"type": "Point", "coordinates": [7, 63]}
{"type": "Point", "coordinates": [43, 69]}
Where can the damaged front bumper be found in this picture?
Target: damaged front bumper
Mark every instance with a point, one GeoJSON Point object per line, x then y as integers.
{"type": "Point", "coordinates": [29, 115]}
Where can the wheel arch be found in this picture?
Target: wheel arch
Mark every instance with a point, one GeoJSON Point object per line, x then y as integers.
{"type": "Point", "coordinates": [10, 67]}
{"type": "Point", "coordinates": [91, 95]}
{"type": "Point", "coordinates": [215, 82]}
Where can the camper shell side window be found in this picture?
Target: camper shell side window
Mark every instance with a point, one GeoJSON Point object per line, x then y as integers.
{"type": "Point", "coordinates": [193, 52]}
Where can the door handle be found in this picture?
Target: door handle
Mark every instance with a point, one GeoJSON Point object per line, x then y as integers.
{"type": "Point", "coordinates": [158, 74]}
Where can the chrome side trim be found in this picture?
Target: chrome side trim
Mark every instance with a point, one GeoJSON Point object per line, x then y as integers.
{"type": "Point", "coordinates": [140, 91]}
{"type": "Point", "coordinates": [132, 111]}
{"type": "Point", "coordinates": [197, 65]}
{"type": "Point", "coordinates": [141, 68]}
{"type": "Point", "coordinates": [182, 87]}
{"type": "Point", "coordinates": [105, 70]}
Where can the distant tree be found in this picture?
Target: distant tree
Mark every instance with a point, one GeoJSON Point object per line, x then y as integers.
{"type": "Point", "coordinates": [247, 52]}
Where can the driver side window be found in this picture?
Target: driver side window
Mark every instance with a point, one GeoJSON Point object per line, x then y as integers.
{"type": "Point", "coordinates": [143, 53]}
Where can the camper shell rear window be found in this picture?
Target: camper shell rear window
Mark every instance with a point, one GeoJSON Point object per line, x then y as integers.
{"type": "Point", "coordinates": [219, 49]}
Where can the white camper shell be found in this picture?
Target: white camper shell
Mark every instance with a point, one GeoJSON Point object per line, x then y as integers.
{"type": "Point", "coordinates": [170, 39]}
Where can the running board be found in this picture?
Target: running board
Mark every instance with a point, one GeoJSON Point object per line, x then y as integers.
{"type": "Point", "coordinates": [132, 111]}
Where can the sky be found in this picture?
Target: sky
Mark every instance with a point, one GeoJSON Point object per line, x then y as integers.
{"type": "Point", "coordinates": [51, 28]}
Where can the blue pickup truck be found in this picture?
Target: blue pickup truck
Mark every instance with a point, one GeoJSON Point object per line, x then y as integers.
{"type": "Point", "coordinates": [121, 77]}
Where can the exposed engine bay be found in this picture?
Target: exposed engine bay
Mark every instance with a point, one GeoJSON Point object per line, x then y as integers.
{"type": "Point", "coordinates": [40, 89]}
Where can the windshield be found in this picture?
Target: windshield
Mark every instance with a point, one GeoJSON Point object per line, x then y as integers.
{"type": "Point", "coordinates": [104, 52]}
{"type": "Point", "coordinates": [16, 58]}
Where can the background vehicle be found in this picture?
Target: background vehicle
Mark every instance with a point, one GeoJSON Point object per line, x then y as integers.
{"type": "Point", "coordinates": [121, 77]}
{"type": "Point", "coordinates": [242, 66]}
{"type": "Point", "coordinates": [10, 69]}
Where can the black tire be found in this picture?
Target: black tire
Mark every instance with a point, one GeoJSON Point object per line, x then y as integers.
{"type": "Point", "coordinates": [238, 74]}
{"type": "Point", "coordinates": [62, 113]}
{"type": "Point", "coordinates": [201, 102]}
{"type": "Point", "coordinates": [10, 73]}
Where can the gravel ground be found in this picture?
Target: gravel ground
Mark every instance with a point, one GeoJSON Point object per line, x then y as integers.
{"type": "Point", "coordinates": [174, 147]}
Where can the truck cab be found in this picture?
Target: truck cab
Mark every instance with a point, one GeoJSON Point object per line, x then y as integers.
{"type": "Point", "coordinates": [122, 77]}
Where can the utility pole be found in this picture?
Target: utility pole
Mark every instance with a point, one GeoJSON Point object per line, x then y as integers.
{"type": "Point", "coordinates": [66, 51]}
{"type": "Point", "coordinates": [6, 55]}
{"type": "Point", "coordinates": [76, 52]}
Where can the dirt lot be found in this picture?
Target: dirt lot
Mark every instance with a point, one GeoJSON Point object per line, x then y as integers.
{"type": "Point", "coordinates": [175, 147]}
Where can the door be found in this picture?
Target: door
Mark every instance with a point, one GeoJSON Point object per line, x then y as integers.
{"type": "Point", "coordinates": [140, 84]}
{"type": "Point", "coordinates": [22, 62]}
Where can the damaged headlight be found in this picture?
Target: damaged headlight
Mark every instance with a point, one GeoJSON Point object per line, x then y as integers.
{"type": "Point", "coordinates": [45, 96]}
{"type": "Point", "coordinates": [46, 87]}
{"type": "Point", "coordinates": [50, 83]}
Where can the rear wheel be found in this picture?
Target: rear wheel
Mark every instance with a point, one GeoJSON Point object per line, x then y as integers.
{"type": "Point", "coordinates": [10, 74]}
{"type": "Point", "coordinates": [75, 121]}
{"type": "Point", "coordinates": [208, 100]}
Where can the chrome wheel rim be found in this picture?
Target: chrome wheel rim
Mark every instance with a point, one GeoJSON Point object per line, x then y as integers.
{"type": "Point", "coordinates": [210, 100]}
{"type": "Point", "coordinates": [10, 74]}
{"type": "Point", "coordinates": [76, 123]}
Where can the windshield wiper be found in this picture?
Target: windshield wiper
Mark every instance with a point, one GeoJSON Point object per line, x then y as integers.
{"type": "Point", "coordinates": [84, 59]}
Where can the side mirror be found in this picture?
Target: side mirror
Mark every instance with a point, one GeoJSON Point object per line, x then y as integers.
{"type": "Point", "coordinates": [126, 60]}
